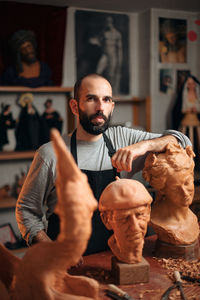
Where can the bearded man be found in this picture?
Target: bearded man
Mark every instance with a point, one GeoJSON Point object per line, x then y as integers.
{"type": "Point", "coordinates": [100, 151]}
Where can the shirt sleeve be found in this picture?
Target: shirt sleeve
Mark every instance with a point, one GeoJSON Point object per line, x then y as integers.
{"type": "Point", "coordinates": [183, 140]}
{"type": "Point", "coordinates": [122, 136]}
{"type": "Point", "coordinates": [36, 199]}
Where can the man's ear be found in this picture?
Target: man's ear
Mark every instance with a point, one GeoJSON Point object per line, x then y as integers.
{"type": "Point", "coordinates": [74, 106]}
{"type": "Point", "coordinates": [105, 217]}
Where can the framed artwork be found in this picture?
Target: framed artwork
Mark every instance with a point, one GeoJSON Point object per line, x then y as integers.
{"type": "Point", "coordinates": [166, 81]}
{"type": "Point", "coordinates": [172, 40]}
{"type": "Point", "coordinates": [102, 46]}
{"type": "Point", "coordinates": [7, 234]}
{"type": "Point", "coordinates": [49, 33]}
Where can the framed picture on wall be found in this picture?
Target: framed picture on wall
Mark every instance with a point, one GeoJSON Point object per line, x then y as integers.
{"type": "Point", "coordinates": [166, 81]}
{"type": "Point", "coordinates": [102, 46]}
{"type": "Point", "coordinates": [7, 234]}
{"type": "Point", "coordinates": [172, 40]}
{"type": "Point", "coordinates": [48, 34]}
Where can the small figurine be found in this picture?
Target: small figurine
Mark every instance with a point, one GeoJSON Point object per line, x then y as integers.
{"type": "Point", "coordinates": [19, 181]}
{"type": "Point", "coordinates": [5, 191]}
{"type": "Point", "coordinates": [190, 123]}
{"type": "Point", "coordinates": [52, 117]}
{"type": "Point", "coordinates": [6, 122]}
{"type": "Point", "coordinates": [29, 129]}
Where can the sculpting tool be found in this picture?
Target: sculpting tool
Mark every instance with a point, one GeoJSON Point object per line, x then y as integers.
{"type": "Point", "coordinates": [116, 293]}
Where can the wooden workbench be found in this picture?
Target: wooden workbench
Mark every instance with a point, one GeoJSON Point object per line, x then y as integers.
{"type": "Point", "coordinates": [98, 266]}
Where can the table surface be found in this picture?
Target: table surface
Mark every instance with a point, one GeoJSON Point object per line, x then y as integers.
{"type": "Point", "coordinates": [98, 266]}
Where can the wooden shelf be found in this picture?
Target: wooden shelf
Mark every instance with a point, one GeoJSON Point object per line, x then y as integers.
{"type": "Point", "coordinates": [8, 202]}
{"type": "Point", "coordinates": [16, 155]}
{"type": "Point", "coordinates": [22, 89]}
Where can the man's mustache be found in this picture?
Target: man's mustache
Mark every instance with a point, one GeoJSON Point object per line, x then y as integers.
{"type": "Point", "coordinates": [98, 114]}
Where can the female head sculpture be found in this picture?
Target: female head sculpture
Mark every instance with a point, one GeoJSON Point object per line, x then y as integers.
{"type": "Point", "coordinates": [171, 174]}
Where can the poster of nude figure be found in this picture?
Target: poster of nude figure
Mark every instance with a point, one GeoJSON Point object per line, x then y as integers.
{"type": "Point", "coordinates": [102, 46]}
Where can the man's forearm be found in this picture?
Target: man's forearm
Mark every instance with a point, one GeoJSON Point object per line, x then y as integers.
{"type": "Point", "coordinates": [41, 236]}
{"type": "Point", "coordinates": [159, 144]}
{"type": "Point", "coordinates": [122, 160]}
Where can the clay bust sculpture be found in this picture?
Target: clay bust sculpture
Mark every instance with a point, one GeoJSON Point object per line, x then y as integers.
{"type": "Point", "coordinates": [171, 174]}
{"type": "Point", "coordinates": [125, 207]}
{"type": "Point", "coordinates": [41, 274]}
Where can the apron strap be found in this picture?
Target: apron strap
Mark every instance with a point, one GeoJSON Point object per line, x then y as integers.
{"type": "Point", "coordinates": [73, 146]}
{"type": "Point", "coordinates": [111, 150]}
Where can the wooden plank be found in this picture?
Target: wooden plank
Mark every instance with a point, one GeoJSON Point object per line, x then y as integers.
{"type": "Point", "coordinates": [22, 89]}
{"type": "Point", "coordinates": [8, 202]}
{"type": "Point", "coordinates": [16, 155]}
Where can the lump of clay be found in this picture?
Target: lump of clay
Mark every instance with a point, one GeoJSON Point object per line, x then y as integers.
{"type": "Point", "coordinates": [42, 273]}
{"type": "Point", "coordinates": [172, 175]}
{"type": "Point", "coordinates": [125, 208]}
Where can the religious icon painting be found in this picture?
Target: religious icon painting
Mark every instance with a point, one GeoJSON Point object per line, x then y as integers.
{"type": "Point", "coordinates": [172, 40]}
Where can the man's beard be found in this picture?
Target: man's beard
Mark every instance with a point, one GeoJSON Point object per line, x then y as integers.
{"type": "Point", "coordinates": [88, 126]}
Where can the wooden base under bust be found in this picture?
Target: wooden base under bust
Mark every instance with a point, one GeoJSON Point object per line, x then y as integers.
{"type": "Point", "coordinates": [187, 252]}
{"type": "Point", "coordinates": [124, 273]}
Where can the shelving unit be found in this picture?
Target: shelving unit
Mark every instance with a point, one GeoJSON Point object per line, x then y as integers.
{"type": "Point", "coordinates": [51, 89]}
{"type": "Point", "coordinates": [6, 156]}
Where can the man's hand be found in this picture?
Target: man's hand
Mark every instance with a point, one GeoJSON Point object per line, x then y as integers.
{"type": "Point", "coordinates": [122, 160]}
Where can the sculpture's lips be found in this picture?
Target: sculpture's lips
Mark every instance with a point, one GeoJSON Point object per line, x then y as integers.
{"type": "Point", "coordinates": [135, 236]}
{"type": "Point", "coordinates": [187, 200]}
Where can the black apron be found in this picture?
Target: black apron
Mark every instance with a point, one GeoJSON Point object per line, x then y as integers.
{"type": "Point", "coordinates": [98, 180]}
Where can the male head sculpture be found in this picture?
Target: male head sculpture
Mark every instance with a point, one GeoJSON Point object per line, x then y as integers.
{"type": "Point", "coordinates": [125, 208]}
{"type": "Point", "coordinates": [171, 174]}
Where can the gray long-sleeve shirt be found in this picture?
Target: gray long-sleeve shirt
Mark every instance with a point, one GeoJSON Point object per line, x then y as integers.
{"type": "Point", "coordinates": [38, 198]}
